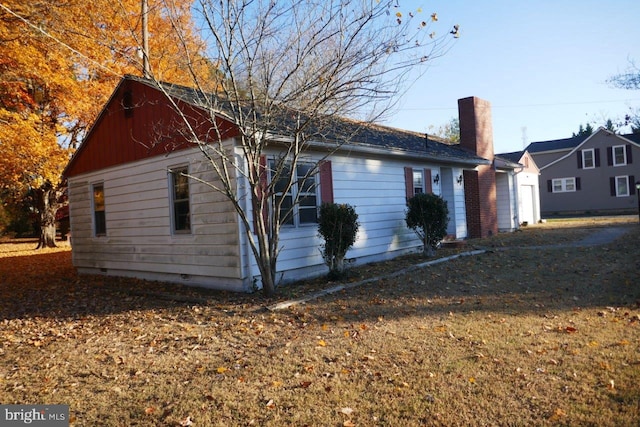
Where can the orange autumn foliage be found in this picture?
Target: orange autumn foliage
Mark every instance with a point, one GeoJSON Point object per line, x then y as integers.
{"type": "Point", "coordinates": [59, 61]}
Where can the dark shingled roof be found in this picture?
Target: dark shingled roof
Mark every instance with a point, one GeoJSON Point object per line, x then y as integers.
{"type": "Point", "coordinates": [513, 157]}
{"type": "Point", "coordinates": [556, 144]}
{"type": "Point", "coordinates": [341, 129]}
{"type": "Point", "coordinates": [570, 143]}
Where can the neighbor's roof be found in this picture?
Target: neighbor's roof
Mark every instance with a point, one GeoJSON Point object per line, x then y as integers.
{"type": "Point", "coordinates": [360, 135]}
{"type": "Point", "coordinates": [556, 144]}
{"type": "Point", "coordinates": [571, 143]}
{"type": "Point", "coordinates": [513, 157]}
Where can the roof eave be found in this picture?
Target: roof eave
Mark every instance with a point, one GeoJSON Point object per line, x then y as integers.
{"type": "Point", "coordinates": [398, 153]}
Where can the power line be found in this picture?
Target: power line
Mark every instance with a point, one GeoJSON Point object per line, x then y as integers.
{"type": "Point", "coordinates": [524, 105]}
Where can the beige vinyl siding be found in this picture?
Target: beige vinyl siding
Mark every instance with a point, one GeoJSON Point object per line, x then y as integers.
{"type": "Point", "coordinates": [139, 240]}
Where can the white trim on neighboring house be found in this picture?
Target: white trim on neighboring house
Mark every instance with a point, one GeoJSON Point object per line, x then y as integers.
{"type": "Point", "coordinates": [577, 147]}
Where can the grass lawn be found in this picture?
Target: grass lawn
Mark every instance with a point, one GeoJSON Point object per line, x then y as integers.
{"type": "Point", "coordinates": [518, 336]}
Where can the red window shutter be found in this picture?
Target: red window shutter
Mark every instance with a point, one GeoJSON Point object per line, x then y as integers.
{"type": "Point", "coordinates": [579, 155]}
{"type": "Point", "coordinates": [326, 182]}
{"type": "Point", "coordinates": [408, 182]}
{"type": "Point", "coordinates": [428, 188]}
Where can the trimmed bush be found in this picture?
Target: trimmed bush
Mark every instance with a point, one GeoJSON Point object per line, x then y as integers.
{"type": "Point", "coordinates": [338, 226]}
{"type": "Point", "coordinates": [428, 216]}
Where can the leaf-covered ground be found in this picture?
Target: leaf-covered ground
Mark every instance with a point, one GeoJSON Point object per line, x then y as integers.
{"type": "Point", "coordinates": [521, 336]}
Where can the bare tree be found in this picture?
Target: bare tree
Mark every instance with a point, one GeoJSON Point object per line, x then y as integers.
{"type": "Point", "coordinates": [286, 73]}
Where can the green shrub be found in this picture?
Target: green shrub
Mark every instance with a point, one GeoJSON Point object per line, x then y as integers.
{"type": "Point", "coordinates": [338, 226]}
{"type": "Point", "coordinates": [428, 216]}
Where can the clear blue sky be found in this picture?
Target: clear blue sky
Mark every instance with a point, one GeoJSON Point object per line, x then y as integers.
{"type": "Point", "coordinates": [542, 65]}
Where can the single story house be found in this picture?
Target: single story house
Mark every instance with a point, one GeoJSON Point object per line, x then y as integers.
{"type": "Point", "coordinates": [132, 215]}
{"type": "Point", "coordinates": [527, 193]}
{"type": "Point", "coordinates": [594, 174]}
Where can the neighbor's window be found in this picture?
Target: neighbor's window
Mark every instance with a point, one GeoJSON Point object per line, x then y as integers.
{"type": "Point", "coordinates": [99, 220]}
{"type": "Point", "coordinates": [588, 159]}
{"type": "Point", "coordinates": [563, 185]}
{"type": "Point", "coordinates": [304, 188]}
{"type": "Point", "coordinates": [181, 215]}
{"type": "Point", "coordinates": [622, 186]}
{"type": "Point", "coordinates": [619, 155]}
{"type": "Point", "coordinates": [418, 182]}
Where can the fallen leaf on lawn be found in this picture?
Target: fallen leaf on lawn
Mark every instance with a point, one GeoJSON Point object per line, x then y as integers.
{"type": "Point", "coordinates": [186, 422]}
{"type": "Point", "coordinates": [322, 343]}
{"type": "Point", "coordinates": [557, 414]}
{"type": "Point", "coordinates": [221, 370]}
{"type": "Point", "coordinates": [348, 423]}
{"type": "Point", "coordinates": [346, 411]}
{"type": "Point", "coordinates": [150, 410]}
{"type": "Point", "coordinates": [611, 385]}
{"type": "Point", "coordinates": [472, 380]}
{"type": "Point", "coordinates": [570, 329]}
{"type": "Point", "coordinates": [305, 384]}
{"type": "Point", "coordinates": [270, 404]}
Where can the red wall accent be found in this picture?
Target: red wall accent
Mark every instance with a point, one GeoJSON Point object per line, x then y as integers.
{"type": "Point", "coordinates": [149, 127]}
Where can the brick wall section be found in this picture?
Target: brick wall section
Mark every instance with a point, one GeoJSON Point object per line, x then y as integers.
{"type": "Point", "coordinates": [476, 135]}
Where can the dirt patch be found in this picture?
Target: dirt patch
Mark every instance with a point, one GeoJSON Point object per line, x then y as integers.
{"type": "Point", "coordinates": [545, 336]}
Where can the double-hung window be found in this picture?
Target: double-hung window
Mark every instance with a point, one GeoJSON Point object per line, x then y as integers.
{"type": "Point", "coordinates": [619, 155]}
{"type": "Point", "coordinates": [303, 190]}
{"type": "Point", "coordinates": [418, 181]}
{"type": "Point", "coordinates": [622, 186]}
{"type": "Point", "coordinates": [588, 159]}
{"type": "Point", "coordinates": [180, 206]}
{"type": "Point", "coordinates": [564, 185]}
{"type": "Point", "coordinates": [99, 219]}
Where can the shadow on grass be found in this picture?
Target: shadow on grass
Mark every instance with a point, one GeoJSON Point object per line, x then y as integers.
{"type": "Point", "coordinates": [513, 281]}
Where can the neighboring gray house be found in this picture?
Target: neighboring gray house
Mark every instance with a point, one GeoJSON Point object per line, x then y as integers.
{"type": "Point", "coordinates": [526, 185]}
{"type": "Point", "coordinates": [593, 174]}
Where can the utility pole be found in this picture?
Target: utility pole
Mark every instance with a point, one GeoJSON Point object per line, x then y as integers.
{"type": "Point", "coordinates": [145, 40]}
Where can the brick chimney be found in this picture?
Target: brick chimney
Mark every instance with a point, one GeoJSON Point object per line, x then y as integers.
{"type": "Point", "coordinates": [476, 135]}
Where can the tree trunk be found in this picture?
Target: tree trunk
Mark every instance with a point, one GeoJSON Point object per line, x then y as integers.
{"type": "Point", "coordinates": [46, 204]}
{"type": "Point", "coordinates": [47, 236]}
{"type": "Point", "coordinates": [427, 249]}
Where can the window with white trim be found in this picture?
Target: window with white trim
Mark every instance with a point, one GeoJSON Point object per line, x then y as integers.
{"type": "Point", "coordinates": [588, 159]}
{"type": "Point", "coordinates": [564, 185]}
{"type": "Point", "coordinates": [99, 219]}
{"type": "Point", "coordinates": [180, 200]}
{"type": "Point", "coordinates": [619, 155]}
{"type": "Point", "coordinates": [418, 181]}
{"type": "Point", "coordinates": [622, 186]}
{"type": "Point", "coordinates": [304, 188]}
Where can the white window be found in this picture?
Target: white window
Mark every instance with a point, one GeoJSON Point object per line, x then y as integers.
{"type": "Point", "coordinates": [622, 186]}
{"type": "Point", "coordinates": [303, 189]}
{"type": "Point", "coordinates": [564, 185]}
{"type": "Point", "coordinates": [99, 219]}
{"type": "Point", "coordinates": [619, 155]}
{"type": "Point", "coordinates": [418, 181]}
{"type": "Point", "coordinates": [588, 159]}
{"type": "Point", "coordinates": [180, 206]}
